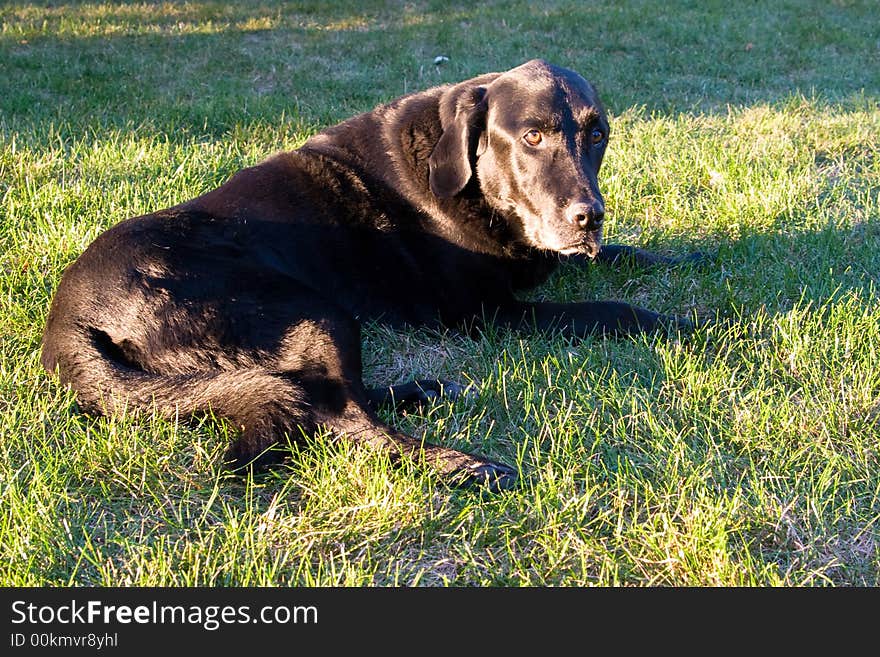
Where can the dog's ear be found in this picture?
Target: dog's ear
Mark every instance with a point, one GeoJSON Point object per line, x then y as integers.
{"type": "Point", "coordinates": [463, 121]}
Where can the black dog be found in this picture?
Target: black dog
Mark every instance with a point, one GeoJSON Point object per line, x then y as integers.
{"type": "Point", "coordinates": [431, 210]}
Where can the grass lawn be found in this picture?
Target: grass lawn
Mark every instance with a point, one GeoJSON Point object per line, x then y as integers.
{"type": "Point", "coordinates": [744, 455]}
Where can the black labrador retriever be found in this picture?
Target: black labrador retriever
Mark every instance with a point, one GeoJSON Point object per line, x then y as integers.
{"type": "Point", "coordinates": [430, 210]}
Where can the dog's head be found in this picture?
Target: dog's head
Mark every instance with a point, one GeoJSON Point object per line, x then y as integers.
{"type": "Point", "coordinates": [535, 137]}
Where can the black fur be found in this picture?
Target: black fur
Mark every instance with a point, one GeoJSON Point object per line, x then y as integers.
{"type": "Point", "coordinates": [430, 210]}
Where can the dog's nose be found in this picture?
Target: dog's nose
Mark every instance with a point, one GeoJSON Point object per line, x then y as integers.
{"type": "Point", "coordinates": [588, 216]}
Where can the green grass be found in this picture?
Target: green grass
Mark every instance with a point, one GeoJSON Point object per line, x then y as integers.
{"type": "Point", "coordinates": [743, 455]}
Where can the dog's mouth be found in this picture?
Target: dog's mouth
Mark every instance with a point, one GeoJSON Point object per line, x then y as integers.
{"type": "Point", "coordinates": [588, 249]}
{"type": "Point", "coordinates": [562, 239]}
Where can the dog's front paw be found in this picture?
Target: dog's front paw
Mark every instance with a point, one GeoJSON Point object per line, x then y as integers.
{"type": "Point", "coordinates": [489, 475]}
{"type": "Point", "coordinates": [435, 388]}
{"type": "Point", "coordinates": [681, 324]}
{"type": "Point", "coordinates": [412, 395]}
{"type": "Point", "coordinates": [695, 259]}
{"type": "Point", "coordinates": [684, 324]}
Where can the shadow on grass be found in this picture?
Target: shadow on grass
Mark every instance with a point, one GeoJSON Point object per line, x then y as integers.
{"type": "Point", "coordinates": [205, 67]}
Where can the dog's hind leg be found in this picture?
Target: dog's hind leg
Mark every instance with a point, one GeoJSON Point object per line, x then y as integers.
{"type": "Point", "coordinates": [358, 423]}
{"type": "Point", "coordinates": [322, 358]}
{"type": "Point", "coordinates": [270, 405]}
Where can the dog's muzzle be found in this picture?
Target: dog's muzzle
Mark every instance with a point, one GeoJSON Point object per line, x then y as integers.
{"type": "Point", "coordinates": [584, 220]}
{"type": "Point", "coordinates": [585, 247]}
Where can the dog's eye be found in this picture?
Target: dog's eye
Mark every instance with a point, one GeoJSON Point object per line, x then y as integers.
{"type": "Point", "coordinates": [597, 136]}
{"type": "Point", "coordinates": [533, 137]}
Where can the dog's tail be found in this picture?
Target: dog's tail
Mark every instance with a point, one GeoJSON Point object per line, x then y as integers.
{"type": "Point", "coordinates": [261, 405]}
